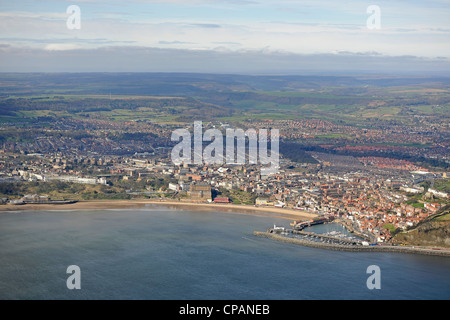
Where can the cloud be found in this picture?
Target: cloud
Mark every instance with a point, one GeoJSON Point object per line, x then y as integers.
{"type": "Point", "coordinates": [206, 25]}
{"type": "Point", "coordinates": [34, 15]}
{"type": "Point", "coordinates": [80, 41]}
{"type": "Point", "coordinates": [174, 42]}
{"type": "Point", "coordinates": [61, 46]}
{"type": "Point", "coordinates": [306, 27]}
{"type": "Point", "coordinates": [56, 58]}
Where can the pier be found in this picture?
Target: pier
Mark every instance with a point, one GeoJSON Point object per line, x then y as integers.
{"type": "Point", "coordinates": [308, 223]}
{"type": "Point", "coordinates": [352, 247]}
{"type": "Point", "coordinates": [315, 237]}
{"type": "Point", "coordinates": [296, 235]}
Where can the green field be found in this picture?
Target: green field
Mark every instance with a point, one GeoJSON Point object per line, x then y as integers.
{"type": "Point", "coordinates": [442, 185]}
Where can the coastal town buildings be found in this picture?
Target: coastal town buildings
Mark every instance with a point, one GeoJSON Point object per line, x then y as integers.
{"type": "Point", "coordinates": [374, 193]}
{"type": "Point", "coordinates": [375, 200]}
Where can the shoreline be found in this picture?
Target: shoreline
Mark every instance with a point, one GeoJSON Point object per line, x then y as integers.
{"type": "Point", "coordinates": [273, 212]}
{"type": "Point", "coordinates": [289, 214]}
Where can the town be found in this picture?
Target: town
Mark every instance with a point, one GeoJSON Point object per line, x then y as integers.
{"type": "Point", "coordinates": [374, 195]}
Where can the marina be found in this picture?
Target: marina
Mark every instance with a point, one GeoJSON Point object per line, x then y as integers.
{"type": "Point", "coordinates": [332, 237]}
{"type": "Point", "coordinates": [335, 239]}
{"type": "Point", "coordinates": [318, 242]}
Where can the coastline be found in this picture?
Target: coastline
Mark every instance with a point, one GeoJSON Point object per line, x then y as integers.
{"type": "Point", "coordinates": [282, 213]}
{"type": "Point", "coordinates": [289, 214]}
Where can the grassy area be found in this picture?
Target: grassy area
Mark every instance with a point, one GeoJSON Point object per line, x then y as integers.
{"type": "Point", "coordinates": [390, 227]}
{"type": "Point", "coordinates": [445, 217]}
{"type": "Point", "coordinates": [238, 196]}
{"type": "Point", "coordinates": [442, 185]}
{"type": "Point", "coordinates": [76, 191]}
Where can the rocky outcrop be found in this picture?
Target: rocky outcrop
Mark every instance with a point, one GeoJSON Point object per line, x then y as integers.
{"type": "Point", "coordinates": [431, 233]}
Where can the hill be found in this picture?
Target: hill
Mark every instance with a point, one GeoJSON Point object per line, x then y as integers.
{"type": "Point", "coordinates": [350, 99]}
{"type": "Point", "coordinates": [433, 232]}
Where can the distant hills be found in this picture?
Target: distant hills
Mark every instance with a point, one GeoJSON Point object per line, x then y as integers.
{"type": "Point", "coordinates": [186, 97]}
{"type": "Point", "coordinates": [189, 84]}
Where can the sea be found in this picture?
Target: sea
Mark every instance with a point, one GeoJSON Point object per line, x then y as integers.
{"type": "Point", "coordinates": [159, 253]}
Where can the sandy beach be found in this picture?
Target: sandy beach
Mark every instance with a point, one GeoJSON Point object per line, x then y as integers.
{"type": "Point", "coordinates": [284, 213]}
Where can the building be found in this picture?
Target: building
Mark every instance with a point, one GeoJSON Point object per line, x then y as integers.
{"type": "Point", "coordinates": [263, 202]}
{"type": "Point", "coordinates": [200, 191]}
{"type": "Point", "coordinates": [34, 198]}
{"type": "Point", "coordinates": [439, 194]}
{"type": "Point", "coordinates": [221, 200]}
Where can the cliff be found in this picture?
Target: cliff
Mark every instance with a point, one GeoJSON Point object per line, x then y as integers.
{"type": "Point", "coordinates": [433, 232]}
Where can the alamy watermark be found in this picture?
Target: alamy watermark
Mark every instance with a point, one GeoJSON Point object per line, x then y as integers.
{"type": "Point", "coordinates": [374, 20]}
{"type": "Point", "coordinates": [74, 20]}
{"type": "Point", "coordinates": [186, 152]}
{"type": "Point", "coordinates": [73, 281]}
{"type": "Point", "coordinates": [374, 281]}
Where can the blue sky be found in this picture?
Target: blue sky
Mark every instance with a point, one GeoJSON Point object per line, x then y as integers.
{"type": "Point", "coordinates": [415, 30]}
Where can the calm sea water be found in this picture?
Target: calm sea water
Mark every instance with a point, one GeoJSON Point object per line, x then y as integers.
{"type": "Point", "coordinates": [158, 253]}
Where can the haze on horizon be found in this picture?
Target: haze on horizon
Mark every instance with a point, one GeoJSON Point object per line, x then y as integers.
{"type": "Point", "coordinates": [220, 36]}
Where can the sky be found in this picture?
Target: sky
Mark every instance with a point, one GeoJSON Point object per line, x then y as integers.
{"type": "Point", "coordinates": [226, 36]}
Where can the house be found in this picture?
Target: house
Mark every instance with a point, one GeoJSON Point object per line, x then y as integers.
{"type": "Point", "coordinates": [261, 201]}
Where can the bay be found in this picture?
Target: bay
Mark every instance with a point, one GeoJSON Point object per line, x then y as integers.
{"type": "Point", "coordinates": [166, 254]}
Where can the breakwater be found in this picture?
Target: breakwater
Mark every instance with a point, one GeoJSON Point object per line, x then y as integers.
{"type": "Point", "coordinates": [355, 248]}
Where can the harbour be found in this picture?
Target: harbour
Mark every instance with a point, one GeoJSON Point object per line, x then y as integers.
{"type": "Point", "coordinates": [335, 240]}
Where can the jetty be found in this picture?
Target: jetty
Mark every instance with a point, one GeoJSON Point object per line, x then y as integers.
{"type": "Point", "coordinates": [344, 245]}
{"type": "Point", "coordinates": [339, 242]}
{"type": "Point", "coordinates": [300, 225]}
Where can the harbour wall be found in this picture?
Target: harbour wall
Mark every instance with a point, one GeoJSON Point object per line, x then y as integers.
{"type": "Point", "coordinates": [355, 248]}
